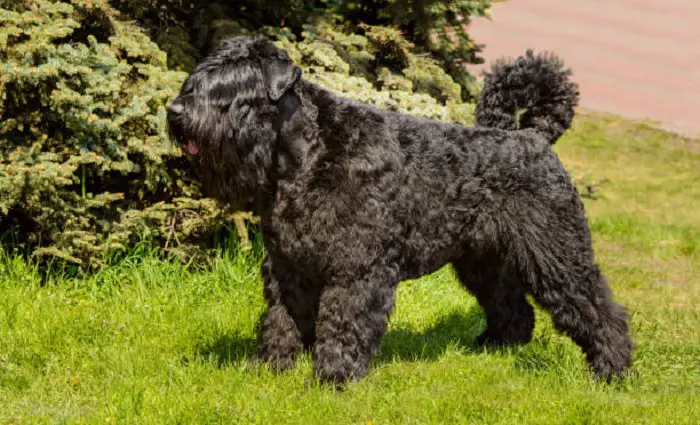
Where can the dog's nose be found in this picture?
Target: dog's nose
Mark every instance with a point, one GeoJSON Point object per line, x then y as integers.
{"type": "Point", "coordinates": [176, 107]}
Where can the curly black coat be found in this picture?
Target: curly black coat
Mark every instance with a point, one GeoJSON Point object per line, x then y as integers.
{"type": "Point", "coordinates": [354, 199]}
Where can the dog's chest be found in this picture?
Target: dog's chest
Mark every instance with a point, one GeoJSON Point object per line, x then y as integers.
{"type": "Point", "coordinates": [329, 234]}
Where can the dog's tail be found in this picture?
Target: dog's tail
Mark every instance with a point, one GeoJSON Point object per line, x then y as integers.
{"type": "Point", "coordinates": [533, 91]}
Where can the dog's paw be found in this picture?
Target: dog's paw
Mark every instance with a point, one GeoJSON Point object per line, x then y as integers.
{"type": "Point", "coordinates": [277, 363]}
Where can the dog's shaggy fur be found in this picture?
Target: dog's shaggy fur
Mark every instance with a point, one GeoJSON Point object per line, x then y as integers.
{"type": "Point", "coordinates": [354, 199]}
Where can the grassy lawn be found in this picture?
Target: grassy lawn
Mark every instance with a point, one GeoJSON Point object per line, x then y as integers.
{"type": "Point", "coordinates": [153, 342]}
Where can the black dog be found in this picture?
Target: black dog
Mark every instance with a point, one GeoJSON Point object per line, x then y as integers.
{"type": "Point", "coordinates": [354, 199]}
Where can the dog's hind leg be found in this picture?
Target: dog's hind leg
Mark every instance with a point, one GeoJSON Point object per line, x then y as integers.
{"type": "Point", "coordinates": [351, 323]}
{"type": "Point", "coordinates": [289, 324]}
{"type": "Point", "coordinates": [581, 305]}
{"type": "Point", "coordinates": [553, 253]}
{"type": "Point", "coordinates": [510, 318]}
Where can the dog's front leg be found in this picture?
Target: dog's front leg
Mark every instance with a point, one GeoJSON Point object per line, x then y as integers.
{"type": "Point", "coordinates": [289, 324]}
{"type": "Point", "coordinates": [351, 322]}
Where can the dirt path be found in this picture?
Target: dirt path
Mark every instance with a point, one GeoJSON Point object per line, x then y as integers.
{"type": "Point", "coordinates": [635, 58]}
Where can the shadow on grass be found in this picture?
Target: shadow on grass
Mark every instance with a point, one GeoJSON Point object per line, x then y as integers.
{"type": "Point", "coordinates": [455, 331]}
{"type": "Point", "coordinates": [229, 349]}
{"type": "Point", "coordinates": [458, 330]}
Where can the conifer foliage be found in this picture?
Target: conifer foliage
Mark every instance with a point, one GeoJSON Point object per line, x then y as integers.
{"type": "Point", "coordinates": [86, 167]}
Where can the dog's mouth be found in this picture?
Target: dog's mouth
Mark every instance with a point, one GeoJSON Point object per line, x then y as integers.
{"type": "Point", "coordinates": [192, 147]}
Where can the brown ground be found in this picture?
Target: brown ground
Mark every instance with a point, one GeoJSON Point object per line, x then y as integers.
{"type": "Point", "coordinates": [636, 58]}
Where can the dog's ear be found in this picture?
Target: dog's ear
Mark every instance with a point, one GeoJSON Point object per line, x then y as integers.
{"type": "Point", "coordinates": [280, 76]}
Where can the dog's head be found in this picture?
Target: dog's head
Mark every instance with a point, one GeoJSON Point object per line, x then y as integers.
{"type": "Point", "coordinates": [227, 115]}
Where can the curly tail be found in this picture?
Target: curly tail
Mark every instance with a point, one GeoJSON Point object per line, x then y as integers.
{"type": "Point", "coordinates": [539, 85]}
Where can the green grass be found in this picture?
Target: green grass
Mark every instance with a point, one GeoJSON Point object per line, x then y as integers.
{"type": "Point", "coordinates": [148, 341]}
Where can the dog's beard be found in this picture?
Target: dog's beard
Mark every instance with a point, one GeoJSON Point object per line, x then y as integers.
{"type": "Point", "coordinates": [232, 157]}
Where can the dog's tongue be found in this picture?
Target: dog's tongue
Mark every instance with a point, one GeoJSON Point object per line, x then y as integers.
{"type": "Point", "coordinates": [192, 147]}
